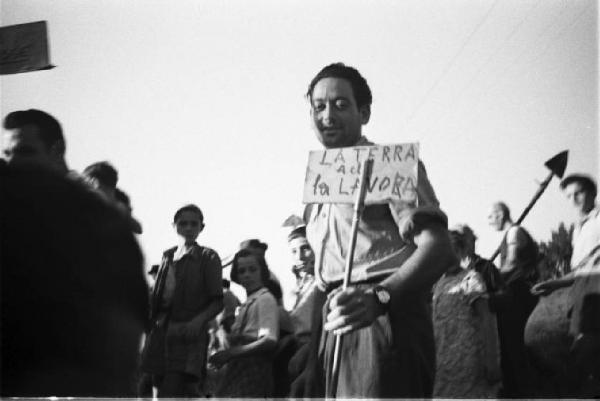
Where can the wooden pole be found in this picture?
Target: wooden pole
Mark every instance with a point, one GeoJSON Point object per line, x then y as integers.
{"type": "Point", "coordinates": [359, 204]}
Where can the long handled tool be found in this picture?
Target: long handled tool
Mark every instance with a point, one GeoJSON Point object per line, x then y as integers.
{"type": "Point", "coordinates": [557, 166]}
{"type": "Point", "coordinates": [359, 205]}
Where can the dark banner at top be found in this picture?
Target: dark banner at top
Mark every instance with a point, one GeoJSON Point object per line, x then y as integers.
{"type": "Point", "coordinates": [24, 48]}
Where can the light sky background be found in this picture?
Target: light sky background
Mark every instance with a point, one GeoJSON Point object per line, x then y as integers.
{"type": "Point", "coordinates": [202, 101]}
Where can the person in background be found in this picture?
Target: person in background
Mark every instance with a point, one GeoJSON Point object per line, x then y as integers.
{"type": "Point", "coordinates": [466, 241]}
{"type": "Point", "coordinates": [258, 247]}
{"type": "Point", "coordinates": [247, 363]}
{"type": "Point", "coordinates": [73, 294]}
{"type": "Point", "coordinates": [187, 295]}
{"type": "Point", "coordinates": [513, 303]}
{"type": "Point", "coordinates": [220, 326]}
{"type": "Point", "coordinates": [285, 341]}
{"type": "Point", "coordinates": [103, 177]}
{"type": "Point", "coordinates": [144, 380]}
{"type": "Point", "coordinates": [301, 314]}
{"type": "Point", "coordinates": [304, 270]}
{"type": "Point", "coordinates": [34, 136]}
{"type": "Point", "coordinates": [563, 332]}
{"type": "Point", "coordinates": [401, 251]}
{"type": "Point", "coordinates": [467, 347]}
{"type": "Point", "coordinates": [580, 191]}
{"type": "Point", "coordinates": [231, 303]}
{"type": "Point", "coordinates": [272, 284]}
{"type": "Point", "coordinates": [219, 329]}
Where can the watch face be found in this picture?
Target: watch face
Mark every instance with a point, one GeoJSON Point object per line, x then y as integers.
{"type": "Point", "coordinates": [382, 295]}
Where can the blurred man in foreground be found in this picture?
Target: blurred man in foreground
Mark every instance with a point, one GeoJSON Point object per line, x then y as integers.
{"type": "Point", "coordinates": [74, 297]}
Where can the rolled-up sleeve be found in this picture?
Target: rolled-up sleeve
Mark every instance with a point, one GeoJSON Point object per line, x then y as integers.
{"type": "Point", "coordinates": [268, 317]}
{"type": "Point", "coordinates": [411, 219]}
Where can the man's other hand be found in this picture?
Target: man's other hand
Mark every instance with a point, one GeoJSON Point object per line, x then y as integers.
{"type": "Point", "coordinates": [351, 309]}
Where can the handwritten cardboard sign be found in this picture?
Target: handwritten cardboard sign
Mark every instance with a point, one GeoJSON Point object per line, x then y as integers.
{"type": "Point", "coordinates": [333, 175]}
{"type": "Point", "coordinates": [24, 48]}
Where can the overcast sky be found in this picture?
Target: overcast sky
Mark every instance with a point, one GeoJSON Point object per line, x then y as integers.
{"type": "Point", "coordinates": [202, 101]}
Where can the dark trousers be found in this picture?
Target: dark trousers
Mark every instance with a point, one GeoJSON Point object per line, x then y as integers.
{"type": "Point", "coordinates": [514, 359]}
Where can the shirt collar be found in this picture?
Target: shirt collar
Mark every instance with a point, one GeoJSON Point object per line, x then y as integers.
{"type": "Point", "coordinates": [256, 294]}
{"type": "Point", "coordinates": [363, 141]}
{"type": "Point", "coordinates": [193, 252]}
{"type": "Point", "coordinates": [592, 214]}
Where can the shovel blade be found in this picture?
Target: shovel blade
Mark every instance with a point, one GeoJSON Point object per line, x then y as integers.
{"type": "Point", "coordinates": [558, 163]}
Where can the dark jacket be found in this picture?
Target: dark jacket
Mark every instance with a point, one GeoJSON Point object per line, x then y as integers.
{"type": "Point", "coordinates": [198, 281]}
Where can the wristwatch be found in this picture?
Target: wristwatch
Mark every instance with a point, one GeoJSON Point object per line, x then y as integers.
{"type": "Point", "coordinates": [382, 296]}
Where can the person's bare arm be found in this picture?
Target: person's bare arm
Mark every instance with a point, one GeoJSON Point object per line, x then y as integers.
{"type": "Point", "coordinates": [515, 239]}
{"type": "Point", "coordinates": [549, 286]}
{"type": "Point", "coordinates": [262, 345]}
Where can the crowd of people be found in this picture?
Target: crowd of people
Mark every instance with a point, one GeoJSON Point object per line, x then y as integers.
{"type": "Point", "coordinates": [425, 315]}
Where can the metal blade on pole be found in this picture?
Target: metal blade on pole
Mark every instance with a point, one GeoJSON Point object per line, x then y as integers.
{"type": "Point", "coordinates": [557, 166]}
{"type": "Point", "coordinates": [367, 167]}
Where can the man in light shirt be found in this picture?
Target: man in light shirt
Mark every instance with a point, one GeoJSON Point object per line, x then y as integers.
{"type": "Point", "coordinates": [401, 250]}
{"type": "Point", "coordinates": [581, 191]}
{"type": "Point", "coordinates": [582, 367]}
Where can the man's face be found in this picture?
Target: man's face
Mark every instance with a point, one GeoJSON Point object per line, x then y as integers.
{"type": "Point", "coordinates": [189, 225]}
{"type": "Point", "coordinates": [336, 118]}
{"type": "Point", "coordinates": [580, 199]}
{"type": "Point", "coordinates": [302, 255]}
{"type": "Point", "coordinates": [24, 145]}
{"type": "Point", "coordinates": [496, 218]}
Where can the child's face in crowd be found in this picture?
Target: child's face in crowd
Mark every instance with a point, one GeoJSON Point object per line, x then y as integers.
{"type": "Point", "coordinates": [302, 254]}
{"type": "Point", "coordinates": [188, 226]}
{"type": "Point", "coordinates": [249, 273]}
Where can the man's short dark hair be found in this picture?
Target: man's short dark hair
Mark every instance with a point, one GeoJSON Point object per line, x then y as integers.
{"type": "Point", "coordinates": [360, 88]}
{"type": "Point", "coordinates": [586, 182]}
{"type": "Point", "coordinates": [104, 172]}
{"type": "Point", "coordinates": [188, 208]}
{"type": "Point", "coordinates": [50, 130]}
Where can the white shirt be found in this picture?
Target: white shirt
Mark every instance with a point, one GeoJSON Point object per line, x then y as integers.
{"type": "Point", "coordinates": [586, 237]}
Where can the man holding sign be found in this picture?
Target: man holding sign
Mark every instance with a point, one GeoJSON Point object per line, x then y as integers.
{"type": "Point", "coordinates": [402, 248]}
